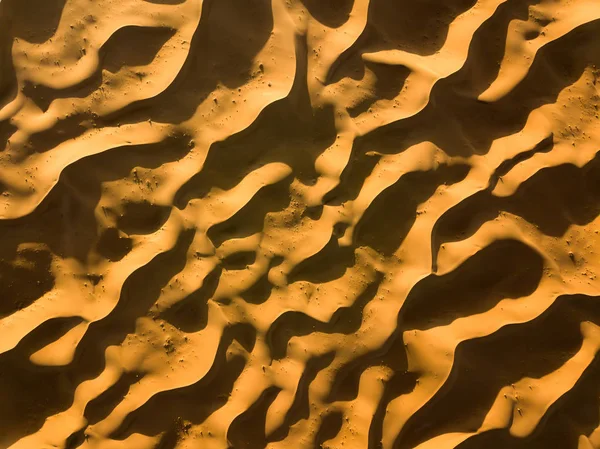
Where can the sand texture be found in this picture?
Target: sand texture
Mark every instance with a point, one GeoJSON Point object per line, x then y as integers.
{"type": "Point", "coordinates": [299, 224]}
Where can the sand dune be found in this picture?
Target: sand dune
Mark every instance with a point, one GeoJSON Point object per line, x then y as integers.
{"type": "Point", "coordinates": [294, 224]}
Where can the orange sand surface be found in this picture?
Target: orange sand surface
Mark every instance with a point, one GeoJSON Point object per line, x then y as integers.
{"type": "Point", "coordinates": [298, 224]}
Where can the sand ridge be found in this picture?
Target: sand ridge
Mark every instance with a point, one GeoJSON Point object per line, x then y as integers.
{"type": "Point", "coordinates": [299, 223]}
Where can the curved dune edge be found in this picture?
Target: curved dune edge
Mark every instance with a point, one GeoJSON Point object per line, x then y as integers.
{"type": "Point", "coordinates": [293, 224]}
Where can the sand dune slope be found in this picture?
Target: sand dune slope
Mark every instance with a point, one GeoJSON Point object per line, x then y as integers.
{"type": "Point", "coordinates": [294, 224]}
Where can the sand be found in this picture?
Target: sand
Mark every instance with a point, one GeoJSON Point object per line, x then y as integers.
{"type": "Point", "coordinates": [295, 224]}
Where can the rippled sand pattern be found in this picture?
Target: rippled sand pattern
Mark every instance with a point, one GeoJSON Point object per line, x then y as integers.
{"type": "Point", "coordinates": [294, 224]}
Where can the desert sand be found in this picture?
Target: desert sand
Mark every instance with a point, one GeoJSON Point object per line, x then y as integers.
{"type": "Point", "coordinates": [295, 224]}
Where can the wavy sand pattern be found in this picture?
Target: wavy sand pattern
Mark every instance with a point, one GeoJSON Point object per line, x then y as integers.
{"type": "Point", "coordinates": [293, 224]}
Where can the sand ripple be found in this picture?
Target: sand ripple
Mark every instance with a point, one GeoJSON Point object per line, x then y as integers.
{"type": "Point", "coordinates": [293, 224]}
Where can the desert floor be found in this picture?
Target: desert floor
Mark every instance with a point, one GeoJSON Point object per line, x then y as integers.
{"type": "Point", "coordinates": [295, 224]}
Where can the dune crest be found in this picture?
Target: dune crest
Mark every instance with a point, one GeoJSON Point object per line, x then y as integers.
{"type": "Point", "coordinates": [294, 224]}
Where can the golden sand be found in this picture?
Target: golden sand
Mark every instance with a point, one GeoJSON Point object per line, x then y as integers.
{"type": "Point", "coordinates": [295, 224]}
